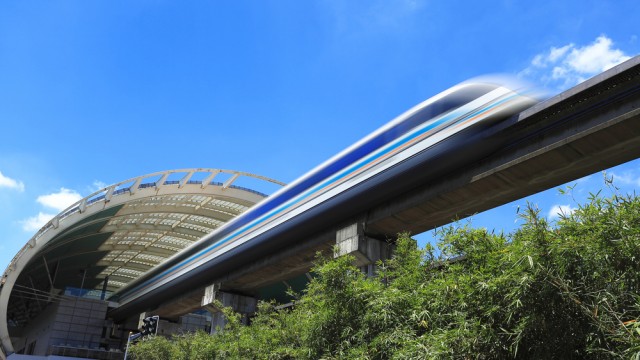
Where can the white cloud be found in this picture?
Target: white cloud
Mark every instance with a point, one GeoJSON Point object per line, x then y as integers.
{"type": "Point", "coordinates": [626, 178]}
{"type": "Point", "coordinates": [556, 53]}
{"type": "Point", "coordinates": [557, 210]}
{"type": "Point", "coordinates": [11, 183]}
{"type": "Point", "coordinates": [97, 185]}
{"type": "Point", "coordinates": [36, 222]}
{"type": "Point", "coordinates": [59, 200]}
{"type": "Point", "coordinates": [568, 65]}
{"type": "Point", "coordinates": [595, 58]}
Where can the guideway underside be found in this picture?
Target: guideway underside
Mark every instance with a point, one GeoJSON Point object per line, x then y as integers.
{"type": "Point", "coordinates": [589, 128]}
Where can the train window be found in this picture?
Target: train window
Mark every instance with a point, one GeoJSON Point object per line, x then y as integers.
{"type": "Point", "coordinates": [461, 96]}
{"type": "Point", "coordinates": [452, 101]}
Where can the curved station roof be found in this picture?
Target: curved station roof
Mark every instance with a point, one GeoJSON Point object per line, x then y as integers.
{"type": "Point", "coordinates": [111, 237]}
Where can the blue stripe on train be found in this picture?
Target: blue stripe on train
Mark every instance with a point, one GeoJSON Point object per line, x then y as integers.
{"type": "Point", "coordinates": [272, 207]}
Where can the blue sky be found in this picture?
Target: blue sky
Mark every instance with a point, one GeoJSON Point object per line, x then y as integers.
{"type": "Point", "coordinates": [95, 92]}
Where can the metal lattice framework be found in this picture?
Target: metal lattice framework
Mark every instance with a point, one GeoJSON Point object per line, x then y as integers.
{"type": "Point", "coordinates": [111, 237]}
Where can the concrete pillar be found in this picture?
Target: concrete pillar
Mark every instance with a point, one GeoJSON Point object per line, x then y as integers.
{"type": "Point", "coordinates": [367, 251]}
{"type": "Point", "coordinates": [214, 298]}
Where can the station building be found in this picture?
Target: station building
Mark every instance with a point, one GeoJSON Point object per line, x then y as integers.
{"type": "Point", "coordinates": [56, 294]}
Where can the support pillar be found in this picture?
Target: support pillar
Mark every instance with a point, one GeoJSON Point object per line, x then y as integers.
{"type": "Point", "coordinates": [367, 251]}
{"type": "Point", "coordinates": [213, 299]}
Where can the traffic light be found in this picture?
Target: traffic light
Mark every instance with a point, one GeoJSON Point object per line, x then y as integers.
{"type": "Point", "coordinates": [150, 325]}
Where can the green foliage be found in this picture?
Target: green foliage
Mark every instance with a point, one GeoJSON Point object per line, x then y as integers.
{"type": "Point", "coordinates": [562, 290]}
{"type": "Point", "coordinates": [156, 348]}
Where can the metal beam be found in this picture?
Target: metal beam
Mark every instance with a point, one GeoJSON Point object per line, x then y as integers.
{"type": "Point", "coordinates": [46, 267]}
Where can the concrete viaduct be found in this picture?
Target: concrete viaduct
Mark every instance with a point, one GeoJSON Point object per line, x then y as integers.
{"type": "Point", "coordinates": [591, 127]}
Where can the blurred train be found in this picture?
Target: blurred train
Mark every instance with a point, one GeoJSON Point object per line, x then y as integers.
{"type": "Point", "coordinates": [429, 140]}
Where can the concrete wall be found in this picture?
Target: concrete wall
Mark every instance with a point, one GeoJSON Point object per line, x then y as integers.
{"type": "Point", "coordinates": [38, 331]}
{"type": "Point", "coordinates": [72, 322]}
{"type": "Point", "coordinates": [79, 322]}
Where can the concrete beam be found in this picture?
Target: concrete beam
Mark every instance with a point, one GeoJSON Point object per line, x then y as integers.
{"type": "Point", "coordinates": [214, 299]}
{"type": "Point", "coordinates": [367, 251]}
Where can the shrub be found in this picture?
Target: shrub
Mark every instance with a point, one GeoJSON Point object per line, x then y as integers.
{"type": "Point", "coordinates": [563, 290]}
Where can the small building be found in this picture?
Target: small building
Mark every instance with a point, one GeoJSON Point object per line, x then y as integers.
{"type": "Point", "coordinates": [56, 294]}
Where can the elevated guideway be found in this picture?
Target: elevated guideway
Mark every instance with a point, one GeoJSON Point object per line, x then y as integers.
{"type": "Point", "coordinates": [591, 127]}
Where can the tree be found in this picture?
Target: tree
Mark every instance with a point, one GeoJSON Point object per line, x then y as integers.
{"type": "Point", "coordinates": [568, 289]}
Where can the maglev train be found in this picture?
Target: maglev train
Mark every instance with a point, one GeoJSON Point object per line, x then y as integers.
{"type": "Point", "coordinates": [432, 138]}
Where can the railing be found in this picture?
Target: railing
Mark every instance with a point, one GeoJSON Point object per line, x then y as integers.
{"type": "Point", "coordinates": [132, 185]}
